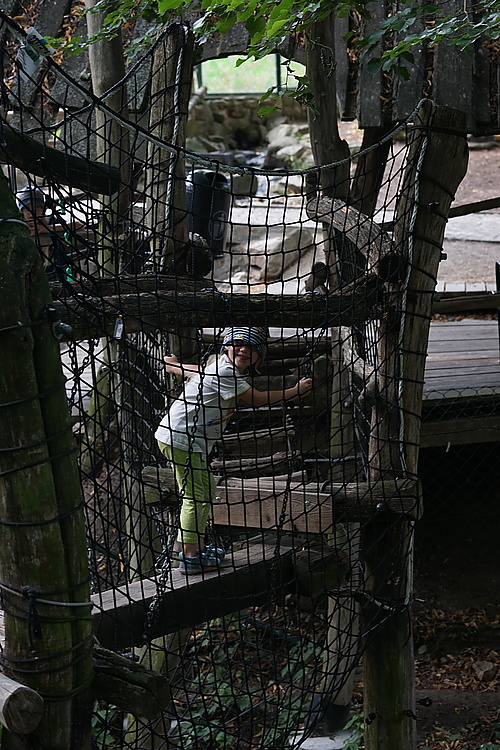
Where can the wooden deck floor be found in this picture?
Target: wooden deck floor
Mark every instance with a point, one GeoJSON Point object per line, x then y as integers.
{"type": "Point", "coordinates": [462, 384]}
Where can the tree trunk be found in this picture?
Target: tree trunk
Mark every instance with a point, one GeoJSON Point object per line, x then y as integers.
{"type": "Point", "coordinates": [168, 221]}
{"type": "Point", "coordinates": [327, 145]}
{"type": "Point", "coordinates": [437, 163]}
{"type": "Point", "coordinates": [107, 67]}
{"type": "Point", "coordinates": [166, 173]}
{"type": "Point", "coordinates": [43, 556]}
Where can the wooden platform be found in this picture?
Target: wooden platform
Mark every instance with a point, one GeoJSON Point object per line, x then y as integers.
{"type": "Point", "coordinates": [462, 384]}
{"type": "Point", "coordinates": [245, 578]}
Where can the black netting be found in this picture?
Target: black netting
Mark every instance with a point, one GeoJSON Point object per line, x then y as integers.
{"type": "Point", "coordinates": [153, 251]}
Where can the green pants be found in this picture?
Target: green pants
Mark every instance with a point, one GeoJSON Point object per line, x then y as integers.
{"type": "Point", "coordinates": [196, 489]}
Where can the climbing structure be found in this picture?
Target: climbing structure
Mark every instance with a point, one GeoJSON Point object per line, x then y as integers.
{"type": "Point", "coordinates": [151, 250]}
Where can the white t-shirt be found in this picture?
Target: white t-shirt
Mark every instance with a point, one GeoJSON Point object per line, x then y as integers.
{"type": "Point", "coordinates": [198, 417]}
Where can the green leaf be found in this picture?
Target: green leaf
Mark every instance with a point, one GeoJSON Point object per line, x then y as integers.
{"type": "Point", "coordinates": [273, 29]}
{"type": "Point", "coordinates": [408, 56]}
{"type": "Point", "coordinates": [255, 25]}
{"type": "Point", "coordinates": [374, 65]}
{"type": "Point", "coordinates": [267, 110]}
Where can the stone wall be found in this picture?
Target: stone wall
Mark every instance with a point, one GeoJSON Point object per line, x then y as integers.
{"type": "Point", "coordinates": [233, 123]}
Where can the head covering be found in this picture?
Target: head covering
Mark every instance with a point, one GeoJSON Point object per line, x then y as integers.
{"type": "Point", "coordinates": [30, 197]}
{"type": "Point", "coordinates": [255, 337]}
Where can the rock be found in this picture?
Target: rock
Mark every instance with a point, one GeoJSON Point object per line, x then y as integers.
{"type": "Point", "coordinates": [244, 184]}
{"type": "Point", "coordinates": [249, 136]}
{"type": "Point", "coordinates": [295, 156]}
{"type": "Point", "coordinates": [293, 185]}
{"type": "Point", "coordinates": [278, 253]}
{"type": "Point", "coordinates": [485, 670]}
{"type": "Point", "coordinates": [271, 160]}
{"type": "Point", "coordinates": [200, 145]}
{"type": "Point", "coordinates": [289, 147]}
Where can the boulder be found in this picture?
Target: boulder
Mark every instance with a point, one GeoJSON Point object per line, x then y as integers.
{"type": "Point", "coordinates": [278, 253]}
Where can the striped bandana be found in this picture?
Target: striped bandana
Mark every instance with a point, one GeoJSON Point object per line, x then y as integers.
{"type": "Point", "coordinates": [255, 337]}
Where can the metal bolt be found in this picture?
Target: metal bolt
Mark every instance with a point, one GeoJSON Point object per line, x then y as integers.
{"type": "Point", "coordinates": [62, 330]}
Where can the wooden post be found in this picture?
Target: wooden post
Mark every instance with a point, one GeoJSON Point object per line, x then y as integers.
{"type": "Point", "coordinates": [328, 147]}
{"type": "Point", "coordinates": [43, 555]}
{"type": "Point", "coordinates": [437, 163]}
{"type": "Point", "coordinates": [168, 219]}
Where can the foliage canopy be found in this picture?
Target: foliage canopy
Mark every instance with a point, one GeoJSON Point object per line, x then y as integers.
{"type": "Point", "coordinates": [271, 22]}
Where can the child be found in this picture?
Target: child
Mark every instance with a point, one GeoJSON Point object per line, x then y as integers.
{"type": "Point", "coordinates": [188, 431]}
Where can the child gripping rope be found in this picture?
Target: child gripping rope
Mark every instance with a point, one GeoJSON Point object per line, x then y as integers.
{"type": "Point", "coordinates": [187, 433]}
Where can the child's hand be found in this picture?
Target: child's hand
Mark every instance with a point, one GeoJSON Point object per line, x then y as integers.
{"type": "Point", "coordinates": [171, 364]}
{"type": "Point", "coordinates": [303, 386]}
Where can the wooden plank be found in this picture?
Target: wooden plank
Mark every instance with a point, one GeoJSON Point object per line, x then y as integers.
{"type": "Point", "coordinates": [460, 431]}
{"type": "Point", "coordinates": [253, 466]}
{"type": "Point", "coordinates": [370, 86]}
{"type": "Point", "coordinates": [245, 579]}
{"type": "Point", "coordinates": [462, 369]}
{"type": "Point", "coordinates": [436, 358]}
{"type": "Point", "coordinates": [408, 93]}
{"type": "Point", "coordinates": [346, 70]}
{"type": "Point", "coordinates": [452, 65]}
{"type": "Point", "coordinates": [482, 95]}
{"type": "Point", "coordinates": [458, 331]}
{"type": "Point", "coordinates": [461, 395]}
{"type": "Point", "coordinates": [306, 509]}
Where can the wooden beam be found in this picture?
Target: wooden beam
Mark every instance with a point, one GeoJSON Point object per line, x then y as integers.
{"type": "Point", "coordinates": [206, 309]}
{"type": "Point", "coordinates": [29, 155]}
{"type": "Point", "coordinates": [159, 487]}
{"type": "Point", "coordinates": [125, 683]}
{"type": "Point", "coordinates": [109, 286]}
{"type": "Point", "coordinates": [370, 240]}
{"type": "Point", "coordinates": [320, 570]}
{"type": "Point", "coordinates": [244, 579]}
{"type": "Point", "coordinates": [454, 302]}
{"type": "Point", "coordinates": [21, 708]}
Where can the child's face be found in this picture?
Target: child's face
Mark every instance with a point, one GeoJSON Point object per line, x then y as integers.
{"type": "Point", "coordinates": [242, 356]}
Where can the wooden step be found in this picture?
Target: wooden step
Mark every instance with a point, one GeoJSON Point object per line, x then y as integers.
{"type": "Point", "coordinates": [245, 579]}
{"type": "Point", "coordinates": [254, 466]}
{"type": "Point", "coordinates": [258, 442]}
{"type": "Point", "coordinates": [262, 503]}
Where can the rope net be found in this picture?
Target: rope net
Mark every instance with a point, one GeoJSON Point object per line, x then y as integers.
{"type": "Point", "coordinates": [152, 251]}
